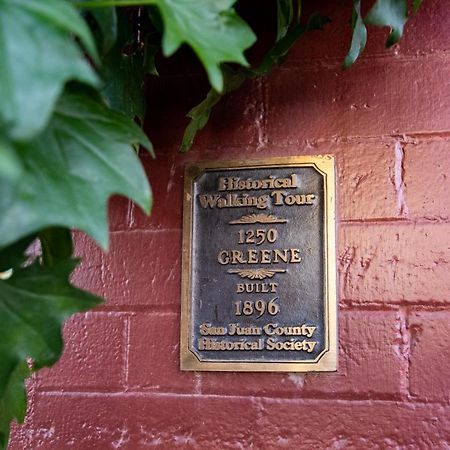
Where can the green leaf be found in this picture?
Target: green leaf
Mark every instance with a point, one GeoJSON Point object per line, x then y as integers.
{"type": "Point", "coordinates": [56, 245]}
{"type": "Point", "coordinates": [389, 13]}
{"type": "Point", "coordinates": [10, 164]}
{"type": "Point", "coordinates": [13, 400]}
{"type": "Point", "coordinates": [213, 30]}
{"type": "Point", "coordinates": [59, 14]}
{"type": "Point", "coordinates": [124, 69]}
{"type": "Point", "coordinates": [14, 255]}
{"type": "Point", "coordinates": [359, 37]}
{"type": "Point", "coordinates": [200, 114]}
{"type": "Point", "coordinates": [34, 303]}
{"type": "Point", "coordinates": [285, 15]}
{"type": "Point", "coordinates": [38, 57]}
{"type": "Point", "coordinates": [416, 5]}
{"type": "Point", "coordinates": [71, 169]}
{"type": "Point", "coordinates": [280, 50]}
{"type": "Point", "coordinates": [107, 21]}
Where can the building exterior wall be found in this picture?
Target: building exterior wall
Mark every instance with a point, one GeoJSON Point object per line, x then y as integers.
{"type": "Point", "coordinates": [387, 122]}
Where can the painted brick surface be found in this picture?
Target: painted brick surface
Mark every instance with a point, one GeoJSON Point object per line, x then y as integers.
{"type": "Point", "coordinates": [373, 357]}
{"type": "Point", "coordinates": [167, 186]}
{"type": "Point", "coordinates": [94, 354]}
{"type": "Point", "coordinates": [364, 101]}
{"type": "Point", "coordinates": [234, 122]}
{"type": "Point", "coordinates": [426, 32]}
{"type": "Point", "coordinates": [431, 21]}
{"type": "Point", "coordinates": [395, 262]}
{"type": "Point", "coordinates": [368, 340]}
{"type": "Point", "coordinates": [142, 268]}
{"type": "Point", "coordinates": [430, 366]}
{"type": "Point", "coordinates": [352, 425]}
{"type": "Point", "coordinates": [153, 362]}
{"type": "Point", "coordinates": [318, 45]}
{"type": "Point", "coordinates": [137, 421]}
{"type": "Point", "coordinates": [167, 422]}
{"type": "Point", "coordinates": [88, 273]}
{"type": "Point", "coordinates": [387, 122]}
{"type": "Point", "coordinates": [366, 173]}
{"type": "Point", "coordinates": [427, 179]}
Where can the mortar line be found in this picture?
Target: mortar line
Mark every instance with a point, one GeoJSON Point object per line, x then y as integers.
{"type": "Point", "coordinates": [399, 179]}
{"type": "Point", "coordinates": [408, 362]}
{"type": "Point", "coordinates": [260, 119]}
{"type": "Point", "coordinates": [127, 351]}
{"type": "Point", "coordinates": [404, 352]}
{"type": "Point", "coordinates": [315, 397]}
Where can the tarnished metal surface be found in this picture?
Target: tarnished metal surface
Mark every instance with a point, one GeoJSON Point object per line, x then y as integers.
{"type": "Point", "coordinates": [259, 266]}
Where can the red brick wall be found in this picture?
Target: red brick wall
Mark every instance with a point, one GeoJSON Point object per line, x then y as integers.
{"type": "Point", "coordinates": [387, 121]}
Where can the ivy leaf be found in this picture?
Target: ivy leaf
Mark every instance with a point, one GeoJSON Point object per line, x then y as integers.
{"type": "Point", "coordinates": [233, 79]}
{"type": "Point", "coordinates": [14, 255]}
{"type": "Point", "coordinates": [199, 115]}
{"type": "Point", "coordinates": [10, 164]}
{"type": "Point", "coordinates": [70, 170]}
{"type": "Point", "coordinates": [359, 37]}
{"type": "Point", "coordinates": [34, 303]}
{"type": "Point", "coordinates": [13, 400]}
{"type": "Point", "coordinates": [124, 69]}
{"type": "Point", "coordinates": [285, 15]}
{"type": "Point", "coordinates": [416, 5]}
{"type": "Point", "coordinates": [280, 49]}
{"type": "Point", "coordinates": [39, 56]}
{"type": "Point", "coordinates": [212, 28]}
{"type": "Point", "coordinates": [60, 14]}
{"type": "Point", "coordinates": [56, 245]}
{"type": "Point", "coordinates": [106, 19]}
{"type": "Point", "coordinates": [389, 13]}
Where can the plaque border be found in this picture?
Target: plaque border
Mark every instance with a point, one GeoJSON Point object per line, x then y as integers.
{"type": "Point", "coordinates": [327, 360]}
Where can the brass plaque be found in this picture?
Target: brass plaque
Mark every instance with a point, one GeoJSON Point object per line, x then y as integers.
{"type": "Point", "coordinates": [259, 270]}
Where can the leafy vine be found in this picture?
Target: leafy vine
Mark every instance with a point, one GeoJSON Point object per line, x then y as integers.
{"type": "Point", "coordinates": [71, 83]}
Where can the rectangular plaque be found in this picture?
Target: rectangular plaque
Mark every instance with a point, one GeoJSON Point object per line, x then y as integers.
{"type": "Point", "coordinates": [259, 270]}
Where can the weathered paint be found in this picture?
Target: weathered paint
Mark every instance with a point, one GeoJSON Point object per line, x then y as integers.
{"type": "Point", "coordinates": [387, 122]}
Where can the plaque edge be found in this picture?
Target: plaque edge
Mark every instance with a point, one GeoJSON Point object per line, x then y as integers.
{"type": "Point", "coordinates": [329, 360]}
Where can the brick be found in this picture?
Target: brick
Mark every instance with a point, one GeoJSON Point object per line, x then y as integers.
{"type": "Point", "coordinates": [429, 373]}
{"type": "Point", "coordinates": [304, 424]}
{"type": "Point", "coordinates": [309, 106]}
{"type": "Point", "coordinates": [20, 437]}
{"type": "Point", "coordinates": [93, 357]}
{"type": "Point", "coordinates": [427, 31]}
{"type": "Point", "coordinates": [252, 384]}
{"type": "Point", "coordinates": [426, 167]}
{"type": "Point", "coordinates": [373, 357]}
{"type": "Point", "coordinates": [394, 262]}
{"type": "Point", "coordinates": [143, 268]}
{"type": "Point", "coordinates": [119, 210]}
{"type": "Point", "coordinates": [364, 101]}
{"type": "Point", "coordinates": [88, 274]}
{"type": "Point", "coordinates": [171, 98]}
{"type": "Point", "coordinates": [135, 421]}
{"type": "Point", "coordinates": [165, 174]}
{"type": "Point", "coordinates": [365, 179]}
{"type": "Point", "coordinates": [368, 340]}
{"type": "Point", "coordinates": [365, 174]}
{"type": "Point", "coordinates": [333, 42]}
{"type": "Point", "coordinates": [154, 355]}
{"type": "Point", "coordinates": [365, 187]}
